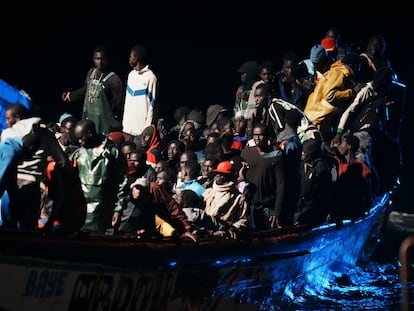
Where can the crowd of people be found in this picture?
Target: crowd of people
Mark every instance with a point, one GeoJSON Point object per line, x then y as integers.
{"type": "Point", "coordinates": [296, 149]}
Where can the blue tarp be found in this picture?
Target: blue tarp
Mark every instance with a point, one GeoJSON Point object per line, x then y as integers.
{"type": "Point", "coordinates": [10, 95]}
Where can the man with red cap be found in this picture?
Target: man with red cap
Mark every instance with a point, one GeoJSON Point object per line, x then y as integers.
{"type": "Point", "coordinates": [223, 202]}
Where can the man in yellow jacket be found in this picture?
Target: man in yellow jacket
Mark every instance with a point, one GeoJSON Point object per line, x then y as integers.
{"type": "Point", "coordinates": [335, 89]}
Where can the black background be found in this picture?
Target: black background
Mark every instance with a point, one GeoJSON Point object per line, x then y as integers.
{"type": "Point", "coordinates": [195, 48]}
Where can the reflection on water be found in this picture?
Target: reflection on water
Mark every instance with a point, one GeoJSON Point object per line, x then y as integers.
{"type": "Point", "coordinates": [372, 286]}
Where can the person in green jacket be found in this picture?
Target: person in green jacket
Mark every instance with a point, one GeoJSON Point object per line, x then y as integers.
{"type": "Point", "coordinates": [102, 171]}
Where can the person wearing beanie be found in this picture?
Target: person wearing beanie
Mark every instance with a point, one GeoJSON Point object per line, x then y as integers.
{"type": "Point", "coordinates": [334, 90]}
{"type": "Point", "coordinates": [138, 217]}
{"type": "Point", "coordinates": [320, 60]}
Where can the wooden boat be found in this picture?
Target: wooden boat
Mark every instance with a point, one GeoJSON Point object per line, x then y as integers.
{"type": "Point", "coordinates": [51, 272]}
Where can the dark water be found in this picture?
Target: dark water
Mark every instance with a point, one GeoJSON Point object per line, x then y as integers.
{"type": "Point", "coordinates": [373, 286]}
{"type": "Point", "coordinates": [375, 283]}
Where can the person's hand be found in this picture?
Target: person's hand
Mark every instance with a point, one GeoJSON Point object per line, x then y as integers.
{"type": "Point", "coordinates": [233, 233]}
{"type": "Point", "coordinates": [241, 95]}
{"type": "Point", "coordinates": [243, 170]}
{"type": "Point", "coordinates": [219, 233]}
{"type": "Point", "coordinates": [336, 140]}
{"type": "Point", "coordinates": [190, 236]}
{"type": "Point", "coordinates": [65, 96]}
{"type": "Point", "coordinates": [274, 222]}
{"type": "Point", "coordinates": [115, 218]}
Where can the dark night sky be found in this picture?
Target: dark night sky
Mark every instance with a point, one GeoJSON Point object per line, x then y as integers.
{"type": "Point", "coordinates": [195, 49]}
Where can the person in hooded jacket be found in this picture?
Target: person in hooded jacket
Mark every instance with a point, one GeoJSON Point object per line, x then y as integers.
{"type": "Point", "coordinates": [316, 182]}
{"type": "Point", "coordinates": [248, 75]}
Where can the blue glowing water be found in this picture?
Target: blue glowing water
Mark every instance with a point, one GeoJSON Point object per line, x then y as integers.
{"type": "Point", "coordinates": [373, 286]}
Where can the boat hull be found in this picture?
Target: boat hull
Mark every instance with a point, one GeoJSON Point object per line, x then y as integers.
{"type": "Point", "coordinates": [114, 273]}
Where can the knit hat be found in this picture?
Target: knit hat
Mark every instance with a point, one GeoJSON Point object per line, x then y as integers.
{"type": "Point", "coordinates": [197, 117]}
{"type": "Point", "coordinates": [65, 116]}
{"type": "Point", "coordinates": [249, 67]}
{"type": "Point", "coordinates": [329, 44]}
{"type": "Point", "coordinates": [213, 112]}
{"type": "Point", "coordinates": [224, 167]}
{"type": "Point", "coordinates": [318, 54]}
{"type": "Point", "coordinates": [312, 147]}
{"type": "Point", "coordinates": [116, 137]}
{"type": "Point", "coordinates": [149, 130]}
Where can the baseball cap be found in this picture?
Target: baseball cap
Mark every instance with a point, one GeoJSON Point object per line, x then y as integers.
{"type": "Point", "coordinates": [224, 167]}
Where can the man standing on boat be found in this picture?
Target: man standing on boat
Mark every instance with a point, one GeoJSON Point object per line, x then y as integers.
{"type": "Point", "coordinates": [266, 176]}
{"type": "Point", "coordinates": [102, 170]}
{"type": "Point", "coordinates": [102, 94]}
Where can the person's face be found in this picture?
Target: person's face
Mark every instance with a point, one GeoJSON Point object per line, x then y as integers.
{"type": "Point", "coordinates": [163, 180]}
{"type": "Point", "coordinates": [221, 179]}
{"type": "Point", "coordinates": [133, 60]}
{"type": "Point", "coordinates": [259, 137]}
{"type": "Point", "coordinates": [126, 151]}
{"type": "Point", "coordinates": [159, 167]}
{"type": "Point", "coordinates": [343, 147]}
{"type": "Point", "coordinates": [243, 77]}
{"type": "Point", "coordinates": [135, 192]}
{"type": "Point", "coordinates": [145, 140]}
{"type": "Point", "coordinates": [83, 136]}
{"type": "Point", "coordinates": [227, 128]}
{"type": "Point", "coordinates": [10, 119]}
{"type": "Point", "coordinates": [172, 151]}
{"type": "Point", "coordinates": [183, 159]}
{"type": "Point", "coordinates": [100, 61]}
{"type": "Point", "coordinates": [375, 48]}
{"type": "Point", "coordinates": [133, 160]}
{"type": "Point", "coordinates": [266, 75]}
{"type": "Point", "coordinates": [240, 125]}
{"type": "Point", "coordinates": [207, 167]}
{"type": "Point", "coordinates": [67, 131]}
{"type": "Point", "coordinates": [304, 156]}
{"type": "Point", "coordinates": [290, 68]}
{"type": "Point", "coordinates": [259, 97]}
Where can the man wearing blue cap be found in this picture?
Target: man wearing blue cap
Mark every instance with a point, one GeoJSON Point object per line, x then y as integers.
{"type": "Point", "coordinates": [334, 91]}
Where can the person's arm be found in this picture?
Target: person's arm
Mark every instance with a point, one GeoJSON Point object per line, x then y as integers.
{"type": "Point", "coordinates": [79, 94]}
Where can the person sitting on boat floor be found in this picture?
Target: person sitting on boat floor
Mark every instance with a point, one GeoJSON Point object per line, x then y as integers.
{"type": "Point", "coordinates": [351, 191]}
{"type": "Point", "coordinates": [222, 210]}
{"type": "Point", "coordinates": [189, 174]}
{"type": "Point", "coordinates": [138, 167]}
{"type": "Point", "coordinates": [191, 204]}
{"type": "Point", "coordinates": [138, 217]}
{"type": "Point", "coordinates": [170, 220]}
{"type": "Point", "coordinates": [225, 204]}
{"type": "Point", "coordinates": [206, 178]}
{"type": "Point", "coordinates": [316, 185]}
